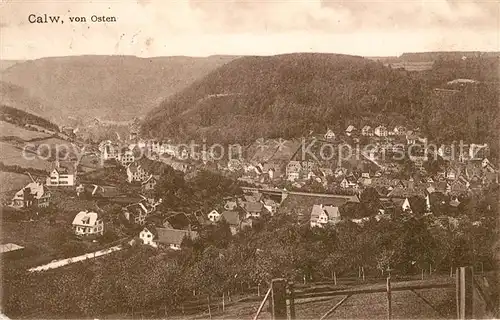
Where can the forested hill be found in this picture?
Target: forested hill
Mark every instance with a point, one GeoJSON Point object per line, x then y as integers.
{"type": "Point", "coordinates": [289, 95]}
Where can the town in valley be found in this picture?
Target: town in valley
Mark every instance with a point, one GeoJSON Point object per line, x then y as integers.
{"type": "Point", "coordinates": [168, 171]}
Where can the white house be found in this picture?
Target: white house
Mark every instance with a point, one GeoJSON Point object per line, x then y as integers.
{"type": "Point", "coordinates": [329, 135]}
{"type": "Point", "coordinates": [406, 205]}
{"type": "Point", "coordinates": [399, 130]}
{"type": "Point", "coordinates": [87, 223]}
{"type": "Point", "coordinates": [322, 215]}
{"type": "Point", "coordinates": [350, 130]}
{"type": "Point", "coordinates": [293, 170]}
{"type": "Point", "coordinates": [126, 157]}
{"type": "Point", "coordinates": [380, 131]}
{"type": "Point", "coordinates": [214, 216]}
{"type": "Point", "coordinates": [367, 131]}
{"type": "Point", "coordinates": [63, 174]}
{"type": "Point", "coordinates": [148, 237]}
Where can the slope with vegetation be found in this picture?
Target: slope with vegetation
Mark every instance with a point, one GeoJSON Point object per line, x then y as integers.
{"type": "Point", "coordinates": [290, 95]}
{"type": "Point", "coordinates": [18, 97]}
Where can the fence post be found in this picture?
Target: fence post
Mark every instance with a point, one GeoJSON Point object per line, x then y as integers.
{"type": "Point", "coordinates": [223, 302]}
{"type": "Point", "coordinates": [334, 278]}
{"type": "Point", "coordinates": [278, 297]}
{"type": "Point", "coordinates": [292, 301]}
{"type": "Point", "coordinates": [389, 299]}
{"type": "Point", "coordinates": [464, 279]}
{"type": "Point", "coordinates": [209, 311]}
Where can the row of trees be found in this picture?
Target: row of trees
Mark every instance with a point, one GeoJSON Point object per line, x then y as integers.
{"type": "Point", "coordinates": [143, 278]}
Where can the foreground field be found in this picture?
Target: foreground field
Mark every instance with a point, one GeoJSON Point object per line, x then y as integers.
{"type": "Point", "coordinates": [39, 234]}
{"type": "Point", "coordinates": [405, 304]}
{"type": "Point", "coordinates": [11, 155]}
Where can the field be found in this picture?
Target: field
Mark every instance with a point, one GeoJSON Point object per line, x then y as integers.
{"type": "Point", "coordinates": [68, 205]}
{"type": "Point", "coordinates": [34, 233]}
{"type": "Point", "coordinates": [12, 181]}
{"type": "Point", "coordinates": [413, 66]}
{"type": "Point", "coordinates": [405, 305]}
{"type": "Point", "coordinates": [8, 129]}
{"type": "Point", "coordinates": [11, 155]}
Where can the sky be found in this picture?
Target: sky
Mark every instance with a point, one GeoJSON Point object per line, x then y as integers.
{"type": "Point", "coordinates": [147, 28]}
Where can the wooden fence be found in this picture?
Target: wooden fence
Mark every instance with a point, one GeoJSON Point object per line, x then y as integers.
{"type": "Point", "coordinates": [282, 296]}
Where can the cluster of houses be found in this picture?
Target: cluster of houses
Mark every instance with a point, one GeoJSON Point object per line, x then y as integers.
{"type": "Point", "coordinates": [176, 155]}
{"type": "Point", "coordinates": [369, 131]}
{"type": "Point", "coordinates": [36, 194]}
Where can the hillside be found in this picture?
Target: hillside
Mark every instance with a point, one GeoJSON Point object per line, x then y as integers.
{"type": "Point", "coordinates": [290, 95]}
{"type": "Point", "coordinates": [20, 98]}
{"type": "Point", "coordinates": [25, 119]}
{"type": "Point", "coordinates": [4, 64]}
{"type": "Point", "coordinates": [108, 87]}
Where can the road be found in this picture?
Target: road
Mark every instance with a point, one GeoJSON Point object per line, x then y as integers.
{"type": "Point", "coordinates": [67, 261]}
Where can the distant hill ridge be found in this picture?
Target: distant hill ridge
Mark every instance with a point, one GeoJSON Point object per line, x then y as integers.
{"type": "Point", "coordinates": [109, 87]}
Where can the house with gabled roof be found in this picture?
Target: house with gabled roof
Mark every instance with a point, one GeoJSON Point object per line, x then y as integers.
{"type": "Point", "coordinates": [293, 170]}
{"type": "Point", "coordinates": [34, 194]}
{"type": "Point", "coordinates": [340, 172]}
{"type": "Point", "coordinates": [322, 215]}
{"type": "Point", "coordinates": [148, 235]}
{"type": "Point", "coordinates": [487, 165]}
{"type": "Point", "coordinates": [87, 223]}
{"type": "Point", "coordinates": [367, 131]}
{"type": "Point", "coordinates": [253, 209]}
{"type": "Point", "coordinates": [137, 213]}
{"type": "Point", "coordinates": [459, 186]}
{"type": "Point", "coordinates": [329, 135]}
{"type": "Point", "coordinates": [214, 216]}
{"type": "Point", "coordinates": [326, 172]}
{"type": "Point", "coordinates": [171, 238]}
{"type": "Point", "coordinates": [63, 174]}
{"type": "Point", "coordinates": [270, 205]}
{"type": "Point", "coordinates": [380, 131]}
{"type": "Point", "coordinates": [478, 151]}
{"type": "Point", "coordinates": [126, 156]}
{"type": "Point", "coordinates": [406, 205]}
{"type": "Point", "coordinates": [230, 204]}
{"type": "Point", "coordinates": [399, 130]}
{"type": "Point", "coordinates": [135, 172]}
{"type": "Point", "coordinates": [236, 220]}
{"type": "Point", "coordinates": [411, 138]}
{"type": "Point", "coordinates": [350, 130]}
{"type": "Point", "coordinates": [150, 182]}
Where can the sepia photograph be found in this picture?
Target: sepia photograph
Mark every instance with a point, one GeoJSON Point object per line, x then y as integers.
{"type": "Point", "coordinates": [249, 159]}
